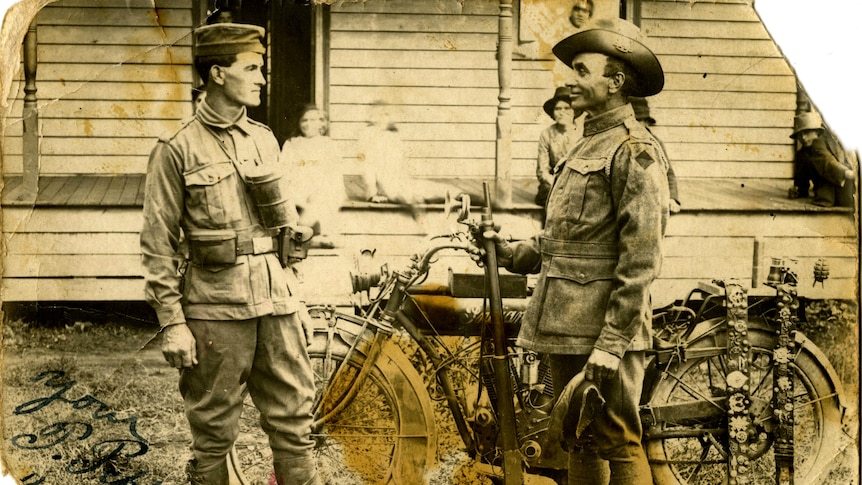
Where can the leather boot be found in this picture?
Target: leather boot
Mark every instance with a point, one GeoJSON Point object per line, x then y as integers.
{"type": "Point", "coordinates": [217, 475]}
{"type": "Point", "coordinates": [587, 468]}
{"type": "Point", "coordinates": [295, 471]}
{"type": "Point", "coordinates": [636, 472]}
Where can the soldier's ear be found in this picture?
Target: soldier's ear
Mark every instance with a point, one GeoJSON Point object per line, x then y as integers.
{"type": "Point", "coordinates": [217, 74]}
{"type": "Point", "coordinates": [616, 82]}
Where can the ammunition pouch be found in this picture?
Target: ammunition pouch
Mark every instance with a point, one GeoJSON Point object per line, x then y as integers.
{"type": "Point", "coordinates": [212, 247]}
{"type": "Point", "coordinates": [221, 247]}
{"type": "Point", "coordinates": [293, 243]}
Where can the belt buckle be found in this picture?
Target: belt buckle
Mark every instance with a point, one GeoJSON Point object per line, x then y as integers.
{"type": "Point", "coordinates": [261, 245]}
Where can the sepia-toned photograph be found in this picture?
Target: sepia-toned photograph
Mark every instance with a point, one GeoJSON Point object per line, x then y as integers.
{"type": "Point", "coordinates": [470, 242]}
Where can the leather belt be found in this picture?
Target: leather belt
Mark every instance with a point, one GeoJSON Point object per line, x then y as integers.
{"type": "Point", "coordinates": [567, 248]}
{"type": "Point", "coordinates": [257, 245]}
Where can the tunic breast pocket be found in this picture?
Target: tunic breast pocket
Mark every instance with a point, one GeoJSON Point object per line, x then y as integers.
{"type": "Point", "coordinates": [581, 193]}
{"type": "Point", "coordinates": [213, 198]}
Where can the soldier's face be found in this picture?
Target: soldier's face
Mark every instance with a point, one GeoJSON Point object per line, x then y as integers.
{"type": "Point", "coordinates": [590, 88]}
{"type": "Point", "coordinates": [244, 80]}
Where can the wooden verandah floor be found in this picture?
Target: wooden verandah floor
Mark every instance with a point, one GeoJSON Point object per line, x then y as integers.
{"type": "Point", "coordinates": [755, 195]}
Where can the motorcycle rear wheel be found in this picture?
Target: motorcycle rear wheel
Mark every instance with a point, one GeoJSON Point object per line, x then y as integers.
{"type": "Point", "coordinates": [702, 459]}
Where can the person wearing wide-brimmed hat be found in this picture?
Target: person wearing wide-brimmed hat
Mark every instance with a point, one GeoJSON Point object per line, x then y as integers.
{"type": "Point", "coordinates": [230, 315]}
{"type": "Point", "coordinates": [600, 250]}
{"type": "Point", "coordinates": [816, 166]}
{"type": "Point", "coordinates": [555, 141]}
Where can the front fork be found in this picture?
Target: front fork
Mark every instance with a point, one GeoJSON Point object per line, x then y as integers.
{"type": "Point", "coordinates": [744, 438]}
{"type": "Point", "coordinates": [513, 462]}
{"type": "Point", "coordinates": [782, 398]}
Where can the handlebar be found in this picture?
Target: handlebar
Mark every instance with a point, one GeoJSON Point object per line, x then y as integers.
{"type": "Point", "coordinates": [423, 262]}
{"type": "Point", "coordinates": [364, 280]}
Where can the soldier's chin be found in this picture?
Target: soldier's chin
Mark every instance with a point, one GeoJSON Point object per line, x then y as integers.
{"type": "Point", "coordinates": [253, 99]}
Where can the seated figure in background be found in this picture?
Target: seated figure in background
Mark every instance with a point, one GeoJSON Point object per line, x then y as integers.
{"type": "Point", "coordinates": [382, 158]}
{"type": "Point", "coordinates": [312, 163]}
{"type": "Point", "coordinates": [817, 166]}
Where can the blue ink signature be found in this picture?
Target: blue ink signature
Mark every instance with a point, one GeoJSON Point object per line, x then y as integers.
{"type": "Point", "coordinates": [104, 452]}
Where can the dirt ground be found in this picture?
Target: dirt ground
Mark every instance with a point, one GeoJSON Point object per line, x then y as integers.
{"type": "Point", "coordinates": [75, 392]}
{"type": "Point", "coordinates": [83, 390]}
{"type": "Point", "coordinates": [87, 398]}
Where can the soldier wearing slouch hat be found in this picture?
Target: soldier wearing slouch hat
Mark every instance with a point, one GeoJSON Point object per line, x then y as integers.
{"type": "Point", "coordinates": [598, 254]}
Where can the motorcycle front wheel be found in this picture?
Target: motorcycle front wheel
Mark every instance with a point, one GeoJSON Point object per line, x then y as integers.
{"type": "Point", "coordinates": [383, 432]}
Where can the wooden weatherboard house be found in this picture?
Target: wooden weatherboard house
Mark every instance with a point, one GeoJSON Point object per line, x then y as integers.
{"type": "Point", "coordinates": [100, 80]}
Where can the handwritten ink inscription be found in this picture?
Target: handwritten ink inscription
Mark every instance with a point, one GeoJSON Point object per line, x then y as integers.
{"type": "Point", "coordinates": [124, 444]}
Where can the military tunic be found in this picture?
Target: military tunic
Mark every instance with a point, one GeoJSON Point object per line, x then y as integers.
{"type": "Point", "coordinates": [601, 246]}
{"type": "Point", "coordinates": [194, 184]}
{"type": "Point", "coordinates": [245, 316]}
{"type": "Point", "coordinates": [596, 257]}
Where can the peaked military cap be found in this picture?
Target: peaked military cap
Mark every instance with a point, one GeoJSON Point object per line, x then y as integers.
{"type": "Point", "coordinates": [224, 39]}
{"type": "Point", "coordinates": [621, 39]}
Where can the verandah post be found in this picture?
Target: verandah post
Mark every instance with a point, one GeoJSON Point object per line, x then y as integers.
{"type": "Point", "coordinates": [30, 115]}
{"type": "Point", "coordinates": [503, 160]}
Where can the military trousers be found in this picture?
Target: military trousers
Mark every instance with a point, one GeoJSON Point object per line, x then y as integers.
{"type": "Point", "coordinates": [616, 433]}
{"type": "Point", "coordinates": [268, 357]}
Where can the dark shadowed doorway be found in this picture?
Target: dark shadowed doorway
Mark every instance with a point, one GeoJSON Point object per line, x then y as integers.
{"type": "Point", "coordinates": [296, 63]}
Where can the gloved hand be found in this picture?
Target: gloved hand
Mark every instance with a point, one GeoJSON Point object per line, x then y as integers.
{"type": "Point", "coordinates": [178, 346]}
{"type": "Point", "coordinates": [503, 250]}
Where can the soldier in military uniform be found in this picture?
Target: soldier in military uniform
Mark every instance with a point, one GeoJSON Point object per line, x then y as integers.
{"type": "Point", "coordinates": [231, 319]}
{"type": "Point", "coordinates": [601, 248]}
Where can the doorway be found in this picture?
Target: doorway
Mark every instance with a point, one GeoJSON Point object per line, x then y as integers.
{"type": "Point", "coordinates": [298, 62]}
{"type": "Point", "coordinates": [297, 59]}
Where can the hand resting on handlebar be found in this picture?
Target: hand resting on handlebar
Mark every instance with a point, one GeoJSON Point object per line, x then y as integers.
{"type": "Point", "coordinates": [504, 250]}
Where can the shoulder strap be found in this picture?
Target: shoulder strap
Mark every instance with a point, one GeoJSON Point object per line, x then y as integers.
{"type": "Point", "coordinates": [167, 137]}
